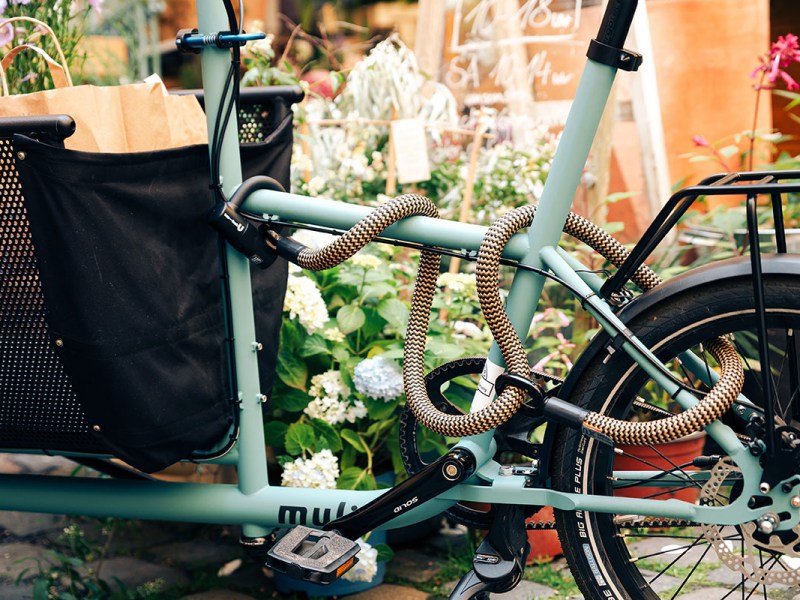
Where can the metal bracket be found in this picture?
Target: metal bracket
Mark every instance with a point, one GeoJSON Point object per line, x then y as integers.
{"type": "Point", "coordinates": [619, 58]}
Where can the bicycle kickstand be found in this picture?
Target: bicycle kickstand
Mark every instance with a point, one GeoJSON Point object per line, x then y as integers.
{"type": "Point", "coordinates": [499, 561]}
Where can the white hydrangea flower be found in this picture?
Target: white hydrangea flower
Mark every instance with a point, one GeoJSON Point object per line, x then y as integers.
{"type": "Point", "coordinates": [315, 185]}
{"type": "Point", "coordinates": [319, 471]}
{"type": "Point", "coordinates": [333, 334]}
{"type": "Point", "coordinates": [459, 283]}
{"type": "Point", "coordinates": [329, 383]}
{"type": "Point", "coordinates": [378, 378]}
{"type": "Point", "coordinates": [367, 566]}
{"type": "Point", "coordinates": [262, 46]}
{"type": "Point", "coordinates": [467, 329]}
{"type": "Point", "coordinates": [304, 301]}
{"type": "Point", "coordinates": [330, 401]}
{"type": "Point", "coordinates": [334, 411]}
{"type": "Point", "coordinates": [368, 261]}
{"type": "Point", "coordinates": [356, 411]}
{"type": "Point", "coordinates": [330, 410]}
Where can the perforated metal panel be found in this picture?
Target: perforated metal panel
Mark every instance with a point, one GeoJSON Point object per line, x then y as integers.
{"type": "Point", "coordinates": [37, 406]}
{"type": "Point", "coordinates": [38, 409]}
{"type": "Point", "coordinates": [256, 121]}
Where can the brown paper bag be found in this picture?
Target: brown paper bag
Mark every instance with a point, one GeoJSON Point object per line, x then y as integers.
{"type": "Point", "coordinates": [139, 117]}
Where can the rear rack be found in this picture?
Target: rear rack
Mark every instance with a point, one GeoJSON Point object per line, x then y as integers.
{"type": "Point", "coordinates": [751, 184]}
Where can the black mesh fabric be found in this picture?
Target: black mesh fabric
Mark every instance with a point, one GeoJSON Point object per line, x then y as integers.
{"type": "Point", "coordinates": [111, 327]}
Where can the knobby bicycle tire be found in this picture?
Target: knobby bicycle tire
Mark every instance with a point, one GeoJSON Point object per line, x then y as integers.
{"type": "Point", "coordinates": [606, 557]}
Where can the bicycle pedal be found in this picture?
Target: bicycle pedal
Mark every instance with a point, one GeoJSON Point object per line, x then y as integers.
{"type": "Point", "coordinates": [312, 554]}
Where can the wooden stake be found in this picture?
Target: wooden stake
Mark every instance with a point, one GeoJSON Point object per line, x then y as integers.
{"type": "Point", "coordinates": [391, 165]}
{"type": "Point", "coordinates": [429, 39]}
{"type": "Point", "coordinates": [469, 184]}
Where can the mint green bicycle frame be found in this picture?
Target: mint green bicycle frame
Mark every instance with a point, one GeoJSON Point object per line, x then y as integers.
{"type": "Point", "coordinates": [259, 507]}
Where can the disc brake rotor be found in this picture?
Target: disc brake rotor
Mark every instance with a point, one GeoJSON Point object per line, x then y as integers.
{"type": "Point", "coordinates": [748, 561]}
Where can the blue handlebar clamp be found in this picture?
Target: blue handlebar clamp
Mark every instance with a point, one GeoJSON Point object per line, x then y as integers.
{"type": "Point", "coordinates": [190, 40]}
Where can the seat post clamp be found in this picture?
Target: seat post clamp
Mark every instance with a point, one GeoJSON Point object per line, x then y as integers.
{"type": "Point", "coordinates": [619, 58]}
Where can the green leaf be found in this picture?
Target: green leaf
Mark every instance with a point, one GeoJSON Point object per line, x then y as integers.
{"type": "Point", "coordinates": [352, 438]}
{"type": "Point", "coordinates": [384, 552]}
{"type": "Point", "coordinates": [348, 457]}
{"type": "Point", "coordinates": [291, 370]}
{"type": "Point", "coordinates": [292, 334]}
{"type": "Point", "coordinates": [341, 354]}
{"type": "Point", "coordinates": [394, 311]}
{"type": "Point", "coordinates": [291, 400]}
{"type": "Point", "coordinates": [355, 478]}
{"type": "Point", "coordinates": [377, 290]}
{"type": "Point", "coordinates": [393, 353]}
{"type": "Point", "coordinates": [300, 437]}
{"type": "Point", "coordinates": [314, 345]}
{"type": "Point", "coordinates": [41, 588]}
{"type": "Point", "coordinates": [327, 434]}
{"type": "Point", "coordinates": [350, 318]}
{"type": "Point", "coordinates": [378, 427]}
{"type": "Point", "coordinates": [275, 433]}
{"type": "Point", "coordinates": [442, 349]}
{"type": "Point", "coordinates": [379, 410]}
{"type": "Point", "coordinates": [374, 325]}
{"type": "Point", "coordinates": [729, 151]}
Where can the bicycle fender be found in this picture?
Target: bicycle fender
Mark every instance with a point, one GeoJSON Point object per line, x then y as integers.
{"type": "Point", "coordinates": [733, 268]}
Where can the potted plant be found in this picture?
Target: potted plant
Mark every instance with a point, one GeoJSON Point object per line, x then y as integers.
{"type": "Point", "coordinates": [723, 227]}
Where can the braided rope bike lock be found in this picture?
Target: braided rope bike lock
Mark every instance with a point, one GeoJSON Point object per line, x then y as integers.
{"type": "Point", "coordinates": [712, 406]}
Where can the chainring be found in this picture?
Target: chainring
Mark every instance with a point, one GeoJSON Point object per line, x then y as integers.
{"type": "Point", "coordinates": [511, 436]}
{"type": "Point", "coordinates": [746, 563]}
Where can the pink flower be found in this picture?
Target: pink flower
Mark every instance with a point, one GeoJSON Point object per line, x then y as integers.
{"type": "Point", "coordinates": [782, 54]}
{"type": "Point", "coordinates": [701, 141]}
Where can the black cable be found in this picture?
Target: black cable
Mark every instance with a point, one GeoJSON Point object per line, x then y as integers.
{"type": "Point", "coordinates": [472, 257]}
{"type": "Point", "coordinates": [225, 108]}
{"type": "Point", "coordinates": [219, 195]}
{"type": "Point", "coordinates": [216, 141]}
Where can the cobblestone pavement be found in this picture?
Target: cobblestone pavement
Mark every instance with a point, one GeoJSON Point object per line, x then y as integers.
{"type": "Point", "coordinates": [191, 562]}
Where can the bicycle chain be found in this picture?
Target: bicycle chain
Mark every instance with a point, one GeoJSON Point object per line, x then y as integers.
{"type": "Point", "coordinates": [634, 522]}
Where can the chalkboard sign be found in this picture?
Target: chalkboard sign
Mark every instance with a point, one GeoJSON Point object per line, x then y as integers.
{"type": "Point", "coordinates": [514, 53]}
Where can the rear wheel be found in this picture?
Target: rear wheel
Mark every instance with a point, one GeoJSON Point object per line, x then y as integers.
{"type": "Point", "coordinates": [615, 556]}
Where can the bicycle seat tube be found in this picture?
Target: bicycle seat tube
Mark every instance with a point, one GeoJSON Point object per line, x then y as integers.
{"type": "Point", "coordinates": [561, 185]}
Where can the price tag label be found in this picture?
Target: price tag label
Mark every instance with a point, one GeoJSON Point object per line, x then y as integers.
{"type": "Point", "coordinates": [410, 151]}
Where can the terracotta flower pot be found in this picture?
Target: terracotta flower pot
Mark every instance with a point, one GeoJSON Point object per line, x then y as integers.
{"type": "Point", "coordinates": [678, 452]}
{"type": "Point", "coordinates": [545, 545]}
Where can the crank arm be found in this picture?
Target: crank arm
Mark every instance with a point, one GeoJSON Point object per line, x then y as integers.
{"type": "Point", "coordinates": [438, 477]}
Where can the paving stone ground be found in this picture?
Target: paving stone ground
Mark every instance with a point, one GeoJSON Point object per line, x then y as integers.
{"type": "Point", "coordinates": [206, 563]}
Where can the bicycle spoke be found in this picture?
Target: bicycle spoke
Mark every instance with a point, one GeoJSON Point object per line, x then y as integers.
{"type": "Point", "coordinates": [681, 547]}
{"type": "Point", "coordinates": [694, 568]}
{"type": "Point", "coordinates": [684, 473]}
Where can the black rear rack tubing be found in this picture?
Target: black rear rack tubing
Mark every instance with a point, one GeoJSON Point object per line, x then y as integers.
{"type": "Point", "coordinates": [761, 321]}
{"type": "Point", "coordinates": [678, 204]}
